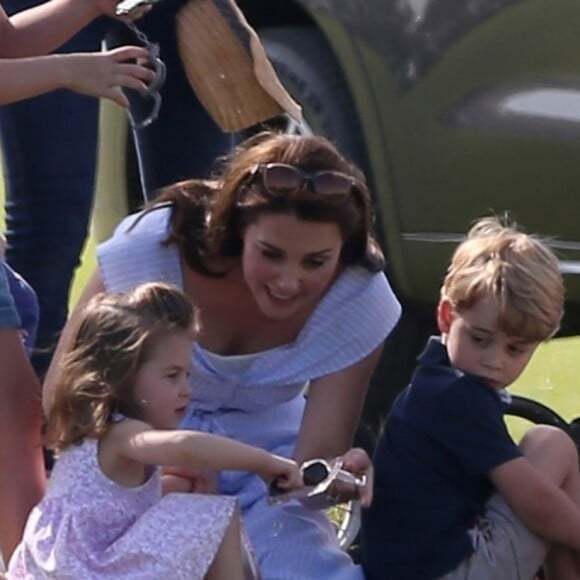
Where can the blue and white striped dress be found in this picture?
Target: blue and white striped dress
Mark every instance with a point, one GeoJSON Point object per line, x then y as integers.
{"type": "Point", "coordinates": [262, 403]}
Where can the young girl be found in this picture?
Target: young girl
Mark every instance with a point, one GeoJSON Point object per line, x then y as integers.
{"type": "Point", "coordinates": [122, 388]}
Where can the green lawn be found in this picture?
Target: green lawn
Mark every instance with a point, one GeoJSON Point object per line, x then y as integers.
{"type": "Point", "coordinates": [551, 376]}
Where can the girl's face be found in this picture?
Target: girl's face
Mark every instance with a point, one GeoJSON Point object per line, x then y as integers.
{"type": "Point", "coordinates": [289, 263]}
{"type": "Point", "coordinates": [162, 387]}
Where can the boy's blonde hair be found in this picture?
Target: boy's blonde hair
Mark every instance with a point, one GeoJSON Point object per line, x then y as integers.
{"type": "Point", "coordinates": [115, 335]}
{"type": "Point", "coordinates": [518, 269]}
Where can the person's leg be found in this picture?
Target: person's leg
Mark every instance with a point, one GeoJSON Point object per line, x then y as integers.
{"type": "Point", "coordinates": [22, 478]}
{"type": "Point", "coordinates": [183, 142]}
{"type": "Point", "coordinates": [228, 562]}
{"type": "Point", "coordinates": [555, 455]}
{"type": "Point", "coordinates": [49, 153]}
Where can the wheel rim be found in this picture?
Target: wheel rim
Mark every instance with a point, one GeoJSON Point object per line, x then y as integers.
{"type": "Point", "coordinates": [346, 519]}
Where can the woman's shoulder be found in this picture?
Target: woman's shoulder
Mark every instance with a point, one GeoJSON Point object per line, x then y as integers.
{"type": "Point", "coordinates": [146, 221]}
{"type": "Point", "coordinates": [136, 252]}
{"type": "Point", "coordinates": [358, 294]}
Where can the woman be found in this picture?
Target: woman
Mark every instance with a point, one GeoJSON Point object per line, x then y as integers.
{"type": "Point", "coordinates": [278, 257]}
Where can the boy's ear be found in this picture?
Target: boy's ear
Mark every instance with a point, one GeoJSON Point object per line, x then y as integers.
{"type": "Point", "coordinates": [444, 315]}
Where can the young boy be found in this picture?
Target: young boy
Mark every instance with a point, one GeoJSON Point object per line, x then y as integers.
{"type": "Point", "coordinates": [454, 496]}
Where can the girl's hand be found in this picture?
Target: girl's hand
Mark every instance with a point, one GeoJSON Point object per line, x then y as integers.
{"type": "Point", "coordinates": [103, 74]}
{"type": "Point", "coordinates": [285, 472]}
{"type": "Point", "coordinates": [190, 480]}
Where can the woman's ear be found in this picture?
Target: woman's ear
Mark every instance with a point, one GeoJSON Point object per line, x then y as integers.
{"type": "Point", "coordinates": [444, 315]}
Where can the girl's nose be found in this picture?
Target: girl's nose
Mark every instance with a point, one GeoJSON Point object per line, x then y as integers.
{"type": "Point", "coordinates": [186, 388]}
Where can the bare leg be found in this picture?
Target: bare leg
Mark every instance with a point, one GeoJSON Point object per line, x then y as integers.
{"type": "Point", "coordinates": [22, 479]}
{"type": "Point", "coordinates": [228, 562]}
{"type": "Point", "coordinates": [555, 455]}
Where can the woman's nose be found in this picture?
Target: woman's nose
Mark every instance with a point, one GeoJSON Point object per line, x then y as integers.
{"type": "Point", "coordinates": [288, 280]}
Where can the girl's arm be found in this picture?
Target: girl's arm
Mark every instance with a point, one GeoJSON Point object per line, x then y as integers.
{"type": "Point", "coordinates": [189, 480]}
{"type": "Point", "coordinates": [44, 28]}
{"type": "Point", "coordinates": [94, 74]}
{"type": "Point", "coordinates": [94, 286]}
{"type": "Point", "coordinates": [136, 441]}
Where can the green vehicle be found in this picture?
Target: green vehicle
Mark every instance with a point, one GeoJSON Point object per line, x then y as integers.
{"type": "Point", "coordinates": [454, 109]}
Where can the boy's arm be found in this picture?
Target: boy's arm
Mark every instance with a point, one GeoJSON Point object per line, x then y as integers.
{"type": "Point", "coordinates": [94, 74]}
{"type": "Point", "coordinates": [44, 28]}
{"type": "Point", "coordinates": [538, 502]}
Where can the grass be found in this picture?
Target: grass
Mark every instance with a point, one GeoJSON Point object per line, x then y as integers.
{"type": "Point", "coordinates": [550, 377]}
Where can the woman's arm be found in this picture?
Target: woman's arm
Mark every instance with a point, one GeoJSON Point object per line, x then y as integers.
{"type": "Point", "coordinates": [94, 286]}
{"type": "Point", "coordinates": [333, 410]}
{"type": "Point", "coordinates": [94, 74]}
{"type": "Point", "coordinates": [44, 28]}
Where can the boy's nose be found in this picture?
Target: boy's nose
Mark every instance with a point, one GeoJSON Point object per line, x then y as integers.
{"type": "Point", "coordinates": [493, 359]}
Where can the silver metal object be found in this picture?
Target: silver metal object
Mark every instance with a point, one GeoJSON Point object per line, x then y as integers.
{"type": "Point", "coordinates": [129, 7]}
{"type": "Point", "coordinates": [316, 496]}
{"type": "Point", "coordinates": [156, 64]}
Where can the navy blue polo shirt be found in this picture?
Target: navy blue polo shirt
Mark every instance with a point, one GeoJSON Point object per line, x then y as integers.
{"type": "Point", "coordinates": [444, 433]}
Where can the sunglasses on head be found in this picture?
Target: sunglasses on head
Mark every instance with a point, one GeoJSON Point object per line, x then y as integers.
{"type": "Point", "coordinates": [281, 179]}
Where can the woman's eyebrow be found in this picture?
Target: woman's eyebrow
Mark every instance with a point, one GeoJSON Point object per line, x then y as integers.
{"type": "Point", "coordinates": [319, 253]}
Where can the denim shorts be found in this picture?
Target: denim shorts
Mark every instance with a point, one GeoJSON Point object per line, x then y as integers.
{"type": "Point", "coordinates": [8, 314]}
{"type": "Point", "coordinates": [18, 305]}
{"type": "Point", "coordinates": [504, 548]}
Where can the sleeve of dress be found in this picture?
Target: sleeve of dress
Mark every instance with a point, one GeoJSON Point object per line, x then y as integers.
{"type": "Point", "coordinates": [135, 253]}
{"type": "Point", "coordinates": [358, 312]}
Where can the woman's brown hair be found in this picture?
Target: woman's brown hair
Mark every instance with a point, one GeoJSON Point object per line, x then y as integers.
{"type": "Point", "coordinates": [114, 337]}
{"type": "Point", "coordinates": [208, 218]}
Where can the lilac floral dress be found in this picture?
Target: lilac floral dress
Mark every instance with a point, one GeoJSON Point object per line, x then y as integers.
{"type": "Point", "coordinates": [88, 526]}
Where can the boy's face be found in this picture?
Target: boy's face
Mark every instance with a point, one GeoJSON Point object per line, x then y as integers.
{"type": "Point", "coordinates": [476, 345]}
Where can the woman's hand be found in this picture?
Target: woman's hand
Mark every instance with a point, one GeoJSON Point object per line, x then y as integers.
{"type": "Point", "coordinates": [104, 74]}
{"type": "Point", "coordinates": [357, 462]}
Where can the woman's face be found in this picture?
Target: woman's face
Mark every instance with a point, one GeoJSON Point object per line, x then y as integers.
{"type": "Point", "coordinates": [288, 263]}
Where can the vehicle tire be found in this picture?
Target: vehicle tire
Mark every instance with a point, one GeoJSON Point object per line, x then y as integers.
{"type": "Point", "coordinates": [398, 361]}
{"type": "Point", "coordinates": [307, 68]}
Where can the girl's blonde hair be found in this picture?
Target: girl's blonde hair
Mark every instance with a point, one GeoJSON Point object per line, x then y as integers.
{"type": "Point", "coordinates": [114, 337]}
{"type": "Point", "coordinates": [518, 269]}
